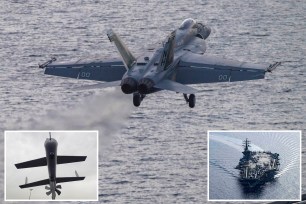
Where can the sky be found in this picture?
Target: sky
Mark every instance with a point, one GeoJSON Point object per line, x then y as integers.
{"type": "Point", "coordinates": [25, 146]}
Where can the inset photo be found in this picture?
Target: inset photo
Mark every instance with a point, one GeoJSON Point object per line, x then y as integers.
{"type": "Point", "coordinates": [51, 165]}
{"type": "Point", "coordinates": [254, 166]}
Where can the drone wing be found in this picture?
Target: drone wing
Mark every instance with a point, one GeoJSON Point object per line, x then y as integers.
{"type": "Point", "coordinates": [32, 163]}
{"type": "Point", "coordinates": [70, 159]}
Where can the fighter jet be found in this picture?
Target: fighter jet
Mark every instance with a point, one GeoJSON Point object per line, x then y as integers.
{"type": "Point", "coordinates": [178, 61]}
{"type": "Point", "coordinates": [51, 160]}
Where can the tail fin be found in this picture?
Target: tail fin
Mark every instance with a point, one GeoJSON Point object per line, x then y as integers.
{"type": "Point", "coordinates": [168, 52]}
{"type": "Point", "coordinates": [128, 58]}
{"type": "Point", "coordinates": [76, 173]}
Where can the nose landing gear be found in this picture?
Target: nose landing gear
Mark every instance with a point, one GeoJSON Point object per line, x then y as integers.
{"type": "Point", "coordinates": [137, 98]}
{"type": "Point", "coordinates": [191, 100]}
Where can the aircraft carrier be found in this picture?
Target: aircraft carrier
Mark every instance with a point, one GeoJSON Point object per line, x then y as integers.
{"type": "Point", "coordinates": [257, 167]}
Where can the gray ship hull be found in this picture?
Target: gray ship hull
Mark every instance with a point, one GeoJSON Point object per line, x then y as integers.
{"type": "Point", "coordinates": [255, 182]}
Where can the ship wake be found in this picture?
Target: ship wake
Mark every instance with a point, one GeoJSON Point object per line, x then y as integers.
{"type": "Point", "coordinates": [291, 165]}
{"type": "Point", "coordinates": [226, 170]}
{"type": "Point", "coordinates": [232, 142]}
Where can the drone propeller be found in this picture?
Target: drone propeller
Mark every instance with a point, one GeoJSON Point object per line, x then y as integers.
{"type": "Point", "coordinates": [58, 192]}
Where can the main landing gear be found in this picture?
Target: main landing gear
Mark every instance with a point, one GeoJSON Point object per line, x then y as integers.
{"type": "Point", "coordinates": [137, 98]}
{"type": "Point", "coordinates": [191, 100]}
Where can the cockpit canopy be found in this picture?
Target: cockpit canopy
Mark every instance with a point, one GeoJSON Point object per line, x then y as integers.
{"type": "Point", "coordinates": [187, 23]}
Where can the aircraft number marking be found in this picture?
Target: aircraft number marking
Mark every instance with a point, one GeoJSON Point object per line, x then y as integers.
{"type": "Point", "coordinates": [180, 42]}
{"type": "Point", "coordinates": [85, 74]}
{"type": "Point", "coordinates": [222, 77]}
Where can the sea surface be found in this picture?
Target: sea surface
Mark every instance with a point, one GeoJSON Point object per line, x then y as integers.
{"type": "Point", "coordinates": [156, 153]}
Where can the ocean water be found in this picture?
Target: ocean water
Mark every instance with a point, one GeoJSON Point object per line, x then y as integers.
{"type": "Point", "coordinates": [157, 152]}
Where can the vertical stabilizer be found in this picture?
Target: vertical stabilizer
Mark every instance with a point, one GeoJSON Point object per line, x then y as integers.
{"type": "Point", "coordinates": [128, 58]}
{"type": "Point", "coordinates": [168, 52]}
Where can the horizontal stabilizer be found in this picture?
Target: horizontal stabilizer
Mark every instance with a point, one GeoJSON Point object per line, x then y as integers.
{"type": "Point", "coordinates": [32, 163]}
{"type": "Point", "coordinates": [36, 183]}
{"type": "Point", "coordinates": [70, 159]}
{"type": "Point", "coordinates": [174, 86]}
{"type": "Point", "coordinates": [99, 86]}
{"type": "Point", "coordinates": [68, 179]}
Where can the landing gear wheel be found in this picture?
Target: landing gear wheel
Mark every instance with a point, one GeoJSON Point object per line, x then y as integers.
{"type": "Point", "coordinates": [191, 100]}
{"type": "Point", "coordinates": [137, 99]}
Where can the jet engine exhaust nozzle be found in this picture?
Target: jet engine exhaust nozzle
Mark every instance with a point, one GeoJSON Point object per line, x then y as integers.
{"type": "Point", "coordinates": [145, 85]}
{"type": "Point", "coordinates": [128, 85]}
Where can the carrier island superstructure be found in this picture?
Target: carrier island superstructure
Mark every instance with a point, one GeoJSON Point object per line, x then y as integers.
{"type": "Point", "coordinates": [257, 167]}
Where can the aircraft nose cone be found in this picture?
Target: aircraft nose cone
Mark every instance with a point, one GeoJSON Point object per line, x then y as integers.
{"type": "Point", "coordinates": [128, 85]}
{"type": "Point", "coordinates": [145, 85]}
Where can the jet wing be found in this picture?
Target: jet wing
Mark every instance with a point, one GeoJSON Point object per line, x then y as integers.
{"type": "Point", "coordinates": [68, 179]}
{"type": "Point", "coordinates": [195, 68]}
{"type": "Point", "coordinates": [70, 159]}
{"type": "Point", "coordinates": [37, 183]}
{"type": "Point", "coordinates": [98, 70]}
{"type": "Point", "coordinates": [32, 163]}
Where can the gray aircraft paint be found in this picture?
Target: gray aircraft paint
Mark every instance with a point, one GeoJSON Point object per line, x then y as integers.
{"type": "Point", "coordinates": [147, 73]}
{"type": "Point", "coordinates": [51, 155]}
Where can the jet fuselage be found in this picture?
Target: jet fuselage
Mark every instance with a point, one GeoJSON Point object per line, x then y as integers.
{"type": "Point", "coordinates": [189, 36]}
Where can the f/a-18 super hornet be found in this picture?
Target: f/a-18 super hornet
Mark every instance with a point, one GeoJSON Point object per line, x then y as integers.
{"type": "Point", "coordinates": [179, 61]}
{"type": "Point", "coordinates": [51, 160]}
